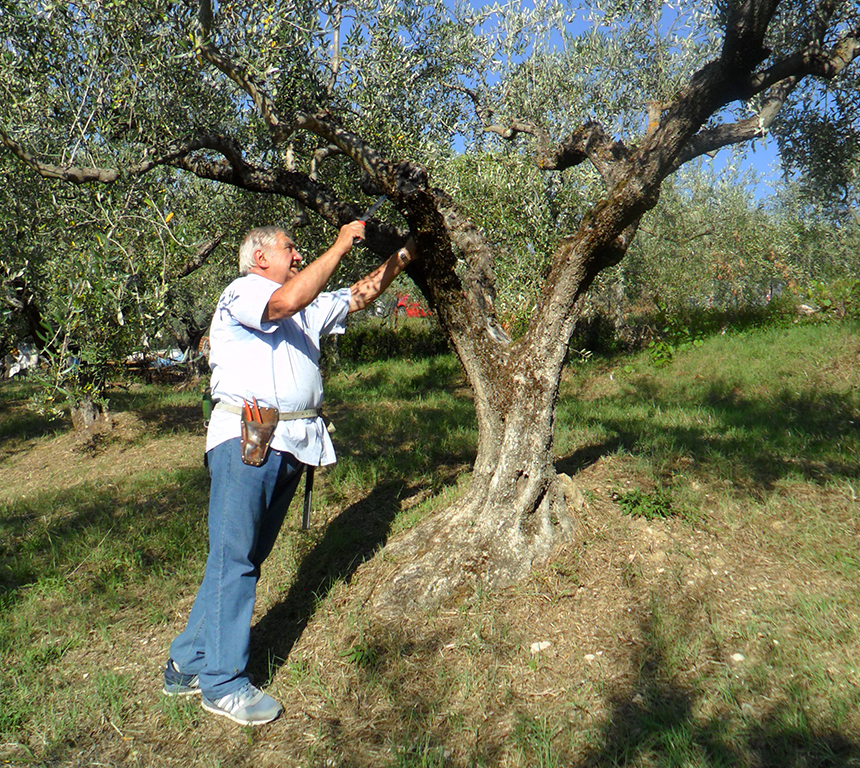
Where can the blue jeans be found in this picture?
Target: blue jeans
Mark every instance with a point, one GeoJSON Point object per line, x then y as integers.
{"type": "Point", "coordinates": [247, 506]}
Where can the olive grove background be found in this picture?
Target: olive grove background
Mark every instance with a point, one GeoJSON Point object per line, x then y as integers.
{"type": "Point", "coordinates": [545, 156]}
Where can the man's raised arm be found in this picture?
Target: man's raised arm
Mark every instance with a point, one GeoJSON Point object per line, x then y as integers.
{"type": "Point", "coordinates": [373, 285]}
{"type": "Point", "coordinates": [295, 294]}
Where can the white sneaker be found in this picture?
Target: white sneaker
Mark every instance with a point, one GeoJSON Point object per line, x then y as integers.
{"type": "Point", "coordinates": [247, 706]}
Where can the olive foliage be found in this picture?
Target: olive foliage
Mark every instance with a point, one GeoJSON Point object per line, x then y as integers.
{"type": "Point", "coordinates": [168, 117]}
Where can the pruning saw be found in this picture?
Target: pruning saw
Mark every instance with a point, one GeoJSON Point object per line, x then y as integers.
{"type": "Point", "coordinates": [373, 208]}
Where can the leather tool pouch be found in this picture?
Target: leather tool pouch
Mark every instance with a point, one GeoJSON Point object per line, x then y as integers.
{"type": "Point", "coordinates": [257, 435]}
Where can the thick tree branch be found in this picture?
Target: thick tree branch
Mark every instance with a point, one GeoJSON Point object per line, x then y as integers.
{"type": "Point", "coordinates": [72, 174]}
{"type": "Point", "coordinates": [381, 237]}
{"type": "Point", "coordinates": [611, 158]}
{"type": "Point", "coordinates": [590, 142]}
{"type": "Point", "coordinates": [514, 128]}
{"type": "Point", "coordinates": [83, 175]}
{"type": "Point", "coordinates": [395, 179]}
{"type": "Point", "coordinates": [780, 79]}
{"type": "Point", "coordinates": [811, 60]}
{"type": "Point", "coordinates": [746, 27]}
{"type": "Point", "coordinates": [712, 139]}
{"type": "Point", "coordinates": [480, 278]}
{"type": "Point", "coordinates": [712, 87]}
{"type": "Point", "coordinates": [320, 156]}
{"type": "Point", "coordinates": [742, 50]}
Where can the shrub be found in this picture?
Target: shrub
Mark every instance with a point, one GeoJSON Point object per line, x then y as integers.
{"type": "Point", "coordinates": [369, 341]}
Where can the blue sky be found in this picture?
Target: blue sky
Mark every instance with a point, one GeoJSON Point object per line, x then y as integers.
{"type": "Point", "coordinates": [763, 158]}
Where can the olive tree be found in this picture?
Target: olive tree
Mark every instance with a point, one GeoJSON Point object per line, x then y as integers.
{"type": "Point", "coordinates": [320, 102]}
{"type": "Point", "coordinates": [819, 140]}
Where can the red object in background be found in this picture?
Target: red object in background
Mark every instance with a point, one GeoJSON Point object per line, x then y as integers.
{"type": "Point", "coordinates": [410, 308]}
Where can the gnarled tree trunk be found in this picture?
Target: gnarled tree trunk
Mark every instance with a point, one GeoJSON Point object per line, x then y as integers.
{"type": "Point", "coordinates": [514, 511]}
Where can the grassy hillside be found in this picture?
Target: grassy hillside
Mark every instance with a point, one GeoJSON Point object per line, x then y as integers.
{"type": "Point", "coordinates": [706, 613]}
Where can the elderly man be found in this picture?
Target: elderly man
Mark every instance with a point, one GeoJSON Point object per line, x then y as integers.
{"type": "Point", "coordinates": [265, 345]}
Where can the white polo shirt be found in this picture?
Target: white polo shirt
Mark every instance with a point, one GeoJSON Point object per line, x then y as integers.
{"type": "Point", "coordinates": [276, 362]}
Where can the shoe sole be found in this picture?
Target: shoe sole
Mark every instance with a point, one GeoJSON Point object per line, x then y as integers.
{"type": "Point", "coordinates": [216, 711]}
{"type": "Point", "coordinates": [184, 692]}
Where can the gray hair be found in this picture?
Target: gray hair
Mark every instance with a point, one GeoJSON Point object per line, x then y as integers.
{"type": "Point", "coordinates": [257, 238]}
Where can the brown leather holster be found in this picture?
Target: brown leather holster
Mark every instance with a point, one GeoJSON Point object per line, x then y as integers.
{"type": "Point", "coordinates": [257, 436]}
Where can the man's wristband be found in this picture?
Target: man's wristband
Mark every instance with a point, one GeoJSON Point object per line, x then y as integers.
{"type": "Point", "coordinates": [403, 257]}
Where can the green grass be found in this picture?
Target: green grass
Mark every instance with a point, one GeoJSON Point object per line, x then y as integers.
{"type": "Point", "coordinates": [750, 441]}
{"type": "Point", "coordinates": [100, 540]}
{"type": "Point", "coordinates": [75, 562]}
{"type": "Point", "coordinates": [19, 424]}
{"type": "Point", "coordinates": [750, 409]}
{"type": "Point", "coordinates": [73, 565]}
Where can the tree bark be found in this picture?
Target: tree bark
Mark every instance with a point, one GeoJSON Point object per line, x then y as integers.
{"type": "Point", "coordinates": [86, 413]}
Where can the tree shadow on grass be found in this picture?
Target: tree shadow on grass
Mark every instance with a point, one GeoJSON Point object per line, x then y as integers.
{"type": "Point", "coordinates": [18, 422]}
{"type": "Point", "coordinates": [23, 425]}
{"type": "Point", "coordinates": [755, 441]}
{"type": "Point", "coordinates": [102, 537]}
{"type": "Point", "coordinates": [179, 419]}
{"type": "Point", "coordinates": [584, 457]}
{"type": "Point", "coordinates": [349, 540]}
{"type": "Point", "coordinates": [655, 723]}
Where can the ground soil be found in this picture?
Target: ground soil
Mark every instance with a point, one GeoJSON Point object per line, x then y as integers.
{"type": "Point", "coordinates": [584, 622]}
{"type": "Point", "coordinates": [110, 449]}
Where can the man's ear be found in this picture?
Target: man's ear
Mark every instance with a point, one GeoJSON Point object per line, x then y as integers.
{"type": "Point", "coordinates": [261, 259]}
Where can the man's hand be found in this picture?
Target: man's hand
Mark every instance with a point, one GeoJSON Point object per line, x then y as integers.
{"type": "Point", "coordinates": [349, 235]}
